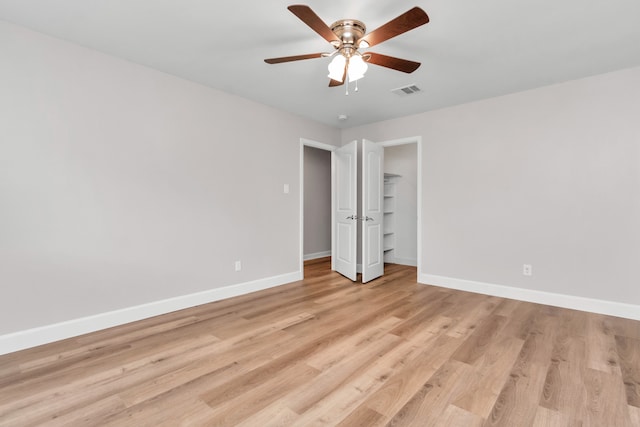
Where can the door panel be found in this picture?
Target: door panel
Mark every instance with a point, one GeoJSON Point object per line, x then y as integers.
{"type": "Point", "coordinates": [375, 244]}
{"type": "Point", "coordinates": [345, 207]}
{"type": "Point", "coordinates": [372, 210]}
{"type": "Point", "coordinates": [345, 244]}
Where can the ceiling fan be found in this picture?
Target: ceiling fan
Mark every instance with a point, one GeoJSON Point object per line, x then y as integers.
{"type": "Point", "coordinates": [348, 36]}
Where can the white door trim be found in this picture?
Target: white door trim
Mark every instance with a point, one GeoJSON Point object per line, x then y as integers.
{"type": "Point", "coordinates": [418, 141]}
{"type": "Point", "coordinates": [322, 146]}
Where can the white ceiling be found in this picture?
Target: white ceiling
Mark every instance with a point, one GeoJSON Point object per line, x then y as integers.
{"type": "Point", "coordinates": [470, 50]}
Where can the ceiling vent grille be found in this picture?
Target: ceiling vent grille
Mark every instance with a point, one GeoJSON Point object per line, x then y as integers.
{"type": "Point", "coordinates": [407, 90]}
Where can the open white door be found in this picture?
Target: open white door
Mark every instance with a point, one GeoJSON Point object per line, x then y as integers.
{"type": "Point", "coordinates": [372, 211]}
{"type": "Point", "coordinates": [345, 210]}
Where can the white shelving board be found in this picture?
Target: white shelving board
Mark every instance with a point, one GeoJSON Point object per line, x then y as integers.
{"type": "Point", "coordinates": [389, 216]}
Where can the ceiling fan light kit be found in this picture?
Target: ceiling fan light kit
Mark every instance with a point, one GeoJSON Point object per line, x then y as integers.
{"type": "Point", "coordinates": [355, 66]}
{"type": "Point", "coordinates": [347, 36]}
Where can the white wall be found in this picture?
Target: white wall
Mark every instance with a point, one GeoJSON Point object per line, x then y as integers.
{"type": "Point", "coordinates": [548, 177]}
{"type": "Point", "coordinates": [317, 202]}
{"type": "Point", "coordinates": [402, 160]}
{"type": "Point", "coordinates": [121, 185]}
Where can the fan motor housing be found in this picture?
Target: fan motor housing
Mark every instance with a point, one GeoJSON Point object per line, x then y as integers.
{"type": "Point", "coordinates": [349, 31]}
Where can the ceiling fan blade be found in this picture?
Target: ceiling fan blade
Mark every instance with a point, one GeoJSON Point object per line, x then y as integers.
{"type": "Point", "coordinates": [403, 23]}
{"type": "Point", "coordinates": [392, 62]}
{"type": "Point", "coordinates": [310, 18]}
{"type": "Point", "coordinates": [292, 58]}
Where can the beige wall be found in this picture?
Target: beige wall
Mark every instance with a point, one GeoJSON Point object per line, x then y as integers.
{"type": "Point", "coordinates": [548, 177]}
{"type": "Point", "coordinates": [121, 185]}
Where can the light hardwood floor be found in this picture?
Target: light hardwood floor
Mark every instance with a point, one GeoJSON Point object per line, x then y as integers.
{"type": "Point", "coordinates": [325, 351]}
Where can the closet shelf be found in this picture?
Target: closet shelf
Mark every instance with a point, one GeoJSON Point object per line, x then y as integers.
{"type": "Point", "coordinates": [389, 219]}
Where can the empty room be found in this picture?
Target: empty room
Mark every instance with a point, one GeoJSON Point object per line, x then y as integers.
{"type": "Point", "coordinates": [259, 213]}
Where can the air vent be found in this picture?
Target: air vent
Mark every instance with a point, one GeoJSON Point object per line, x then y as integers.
{"type": "Point", "coordinates": [407, 90]}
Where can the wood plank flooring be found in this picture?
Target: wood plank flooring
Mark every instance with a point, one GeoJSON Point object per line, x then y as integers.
{"type": "Point", "coordinates": [325, 351]}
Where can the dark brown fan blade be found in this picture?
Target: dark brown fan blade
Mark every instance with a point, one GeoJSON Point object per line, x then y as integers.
{"type": "Point", "coordinates": [394, 63]}
{"type": "Point", "coordinates": [310, 18]}
{"type": "Point", "coordinates": [292, 58]}
{"type": "Point", "coordinates": [334, 83]}
{"type": "Point", "coordinates": [403, 23]}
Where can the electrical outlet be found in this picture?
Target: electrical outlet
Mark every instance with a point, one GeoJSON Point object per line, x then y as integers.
{"type": "Point", "coordinates": [527, 270]}
{"type": "Point", "coordinates": [238, 266]}
{"type": "Point", "coordinates": [285, 189]}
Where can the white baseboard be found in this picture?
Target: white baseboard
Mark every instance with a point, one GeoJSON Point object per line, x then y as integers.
{"type": "Point", "coordinates": [405, 261]}
{"type": "Point", "coordinates": [611, 308]}
{"type": "Point", "coordinates": [46, 334]}
{"type": "Point", "coordinates": [317, 255]}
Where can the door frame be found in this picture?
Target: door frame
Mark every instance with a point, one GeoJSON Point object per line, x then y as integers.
{"type": "Point", "coordinates": [327, 147]}
{"type": "Point", "coordinates": [418, 141]}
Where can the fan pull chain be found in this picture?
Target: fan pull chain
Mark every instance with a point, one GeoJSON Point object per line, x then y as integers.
{"type": "Point", "coordinates": [357, 85]}
{"type": "Point", "coordinates": [347, 86]}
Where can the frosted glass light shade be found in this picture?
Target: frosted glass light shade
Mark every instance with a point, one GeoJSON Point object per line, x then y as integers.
{"type": "Point", "coordinates": [357, 68]}
{"type": "Point", "coordinates": [336, 67]}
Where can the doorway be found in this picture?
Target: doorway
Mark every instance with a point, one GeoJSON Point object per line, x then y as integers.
{"type": "Point", "coordinates": [404, 157]}
{"type": "Point", "coordinates": [416, 244]}
{"type": "Point", "coordinates": [316, 230]}
{"type": "Point", "coordinates": [317, 203]}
